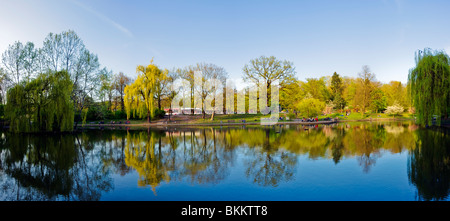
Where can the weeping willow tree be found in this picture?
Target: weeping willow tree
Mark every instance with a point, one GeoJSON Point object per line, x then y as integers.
{"type": "Point", "coordinates": [139, 96]}
{"type": "Point", "coordinates": [41, 105]}
{"type": "Point", "coordinates": [430, 85]}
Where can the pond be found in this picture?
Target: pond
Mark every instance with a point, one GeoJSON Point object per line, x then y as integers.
{"type": "Point", "coordinates": [370, 161]}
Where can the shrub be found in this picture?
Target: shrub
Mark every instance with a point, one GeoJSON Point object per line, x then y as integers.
{"type": "Point", "coordinates": [159, 114]}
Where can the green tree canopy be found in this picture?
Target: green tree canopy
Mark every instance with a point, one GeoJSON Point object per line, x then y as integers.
{"type": "Point", "coordinates": [310, 107]}
{"type": "Point", "coordinates": [43, 104]}
{"type": "Point", "coordinates": [430, 85]}
{"type": "Point", "coordinates": [139, 96]}
{"type": "Point", "coordinates": [337, 89]}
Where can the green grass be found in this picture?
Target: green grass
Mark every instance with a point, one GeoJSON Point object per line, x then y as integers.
{"type": "Point", "coordinates": [358, 116]}
{"type": "Point", "coordinates": [237, 118]}
{"type": "Point", "coordinates": [224, 118]}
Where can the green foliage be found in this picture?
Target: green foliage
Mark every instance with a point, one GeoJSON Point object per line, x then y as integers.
{"type": "Point", "coordinates": [43, 104]}
{"type": "Point", "coordinates": [159, 113]}
{"type": "Point", "coordinates": [316, 88]}
{"type": "Point", "coordinates": [336, 85]}
{"type": "Point", "coordinates": [430, 85]}
{"type": "Point", "coordinates": [310, 107]}
{"type": "Point", "coordinates": [291, 116]}
{"type": "Point", "coordinates": [290, 93]}
{"type": "Point", "coordinates": [2, 111]}
{"type": "Point", "coordinates": [379, 101]}
{"type": "Point", "coordinates": [139, 96]}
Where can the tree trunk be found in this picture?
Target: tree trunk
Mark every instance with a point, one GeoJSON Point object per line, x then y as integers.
{"type": "Point", "coordinates": [122, 104]}
{"type": "Point", "coordinates": [159, 102]}
{"type": "Point", "coordinates": [170, 110]}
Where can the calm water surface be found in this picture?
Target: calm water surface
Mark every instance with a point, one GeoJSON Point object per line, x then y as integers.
{"type": "Point", "coordinates": [347, 161]}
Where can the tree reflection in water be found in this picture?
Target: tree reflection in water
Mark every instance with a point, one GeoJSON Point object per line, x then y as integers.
{"type": "Point", "coordinates": [429, 164]}
{"type": "Point", "coordinates": [80, 167]}
{"type": "Point", "coordinates": [51, 168]}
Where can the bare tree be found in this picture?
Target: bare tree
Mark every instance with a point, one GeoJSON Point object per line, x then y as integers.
{"type": "Point", "coordinates": [71, 47]}
{"type": "Point", "coordinates": [86, 79]}
{"type": "Point", "coordinates": [31, 59]}
{"type": "Point", "coordinates": [267, 70]}
{"type": "Point", "coordinates": [13, 61]}
{"type": "Point", "coordinates": [209, 81]}
{"type": "Point", "coordinates": [364, 89]}
{"type": "Point", "coordinates": [52, 51]}
{"type": "Point", "coordinates": [120, 81]}
{"type": "Point", "coordinates": [172, 89]}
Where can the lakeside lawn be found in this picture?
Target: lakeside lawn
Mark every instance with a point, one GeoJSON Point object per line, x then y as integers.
{"type": "Point", "coordinates": [249, 118]}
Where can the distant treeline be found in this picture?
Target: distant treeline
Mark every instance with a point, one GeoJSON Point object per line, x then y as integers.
{"type": "Point", "coordinates": [38, 87]}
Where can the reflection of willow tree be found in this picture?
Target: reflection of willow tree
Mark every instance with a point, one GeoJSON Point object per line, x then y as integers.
{"type": "Point", "coordinates": [39, 166]}
{"type": "Point", "coordinates": [270, 165]}
{"type": "Point", "coordinates": [365, 141]}
{"type": "Point", "coordinates": [53, 167]}
{"type": "Point", "coordinates": [145, 157]}
{"type": "Point", "coordinates": [195, 155]}
{"type": "Point", "coordinates": [429, 165]}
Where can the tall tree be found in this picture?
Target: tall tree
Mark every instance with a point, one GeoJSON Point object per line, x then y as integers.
{"type": "Point", "coordinates": [4, 84]}
{"type": "Point", "coordinates": [209, 82]}
{"type": "Point", "coordinates": [336, 84]}
{"type": "Point", "coordinates": [172, 89]}
{"type": "Point", "coordinates": [395, 93]}
{"type": "Point", "coordinates": [139, 96]}
{"type": "Point", "coordinates": [86, 78]}
{"type": "Point", "coordinates": [43, 104]}
{"type": "Point", "coordinates": [430, 85]}
{"type": "Point", "coordinates": [31, 59]}
{"type": "Point", "coordinates": [316, 88]}
{"type": "Point", "coordinates": [13, 61]}
{"type": "Point", "coordinates": [337, 89]}
{"type": "Point", "coordinates": [52, 51]}
{"type": "Point", "coordinates": [364, 88]}
{"type": "Point", "coordinates": [290, 94]}
{"type": "Point", "coordinates": [266, 70]}
{"type": "Point", "coordinates": [187, 74]}
{"type": "Point", "coordinates": [120, 81]}
{"type": "Point", "coordinates": [378, 100]}
{"type": "Point", "coordinates": [160, 89]}
{"type": "Point", "coordinates": [71, 47]}
{"type": "Point", "coordinates": [106, 90]}
{"type": "Point", "coordinates": [350, 85]}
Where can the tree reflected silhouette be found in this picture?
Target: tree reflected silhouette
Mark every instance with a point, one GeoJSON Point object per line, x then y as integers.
{"type": "Point", "coordinates": [429, 164]}
{"type": "Point", "coordinates": [80, 166]}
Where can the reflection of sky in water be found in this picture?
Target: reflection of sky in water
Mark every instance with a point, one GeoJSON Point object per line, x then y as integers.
{"type": "Point", "coordinates": [320, 179]}
{"type": "Point", "coordinates": [356, 161]}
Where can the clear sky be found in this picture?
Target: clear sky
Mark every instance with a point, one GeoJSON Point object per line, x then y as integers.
{"type": "Point", "coordinates": [319, 37]}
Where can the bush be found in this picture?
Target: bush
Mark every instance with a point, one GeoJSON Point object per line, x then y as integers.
{"type": "Point", "coordinates": [95, 112]}
{"type": "Point", "coordinates": [159, 114]}
{"type": "Point", "coordinates": [2, 111]}
{"type": "Point", "coordinates": [120, 114]}
{"type": "Point", "coordinates": [291, 116]}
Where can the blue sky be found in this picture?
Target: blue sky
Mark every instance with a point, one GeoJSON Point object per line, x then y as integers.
{"type": "Point", "coordinates": [319, 37]}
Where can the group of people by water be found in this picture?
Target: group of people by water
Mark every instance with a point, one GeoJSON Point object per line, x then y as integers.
{"type": "Point", "coordinates": [314, 119]}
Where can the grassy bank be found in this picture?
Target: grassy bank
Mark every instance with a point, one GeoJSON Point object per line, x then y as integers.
{"type": "Point", "coordinates": [223, 119]}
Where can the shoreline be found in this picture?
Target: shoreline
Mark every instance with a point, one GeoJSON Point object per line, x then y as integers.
{"type": "Point", "coordinates": [162, 124]}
